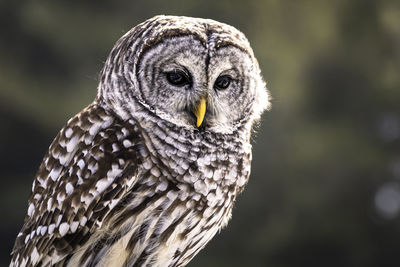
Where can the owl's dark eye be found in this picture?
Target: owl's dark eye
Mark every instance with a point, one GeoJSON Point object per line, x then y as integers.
{"type": "Point", "coordinates": [223, 82]}
{"type": "Point", "coordinates": [178, 78]}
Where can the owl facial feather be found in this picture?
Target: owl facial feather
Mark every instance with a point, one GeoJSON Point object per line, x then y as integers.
{"type": "Point", "coordinates": [202, 49]}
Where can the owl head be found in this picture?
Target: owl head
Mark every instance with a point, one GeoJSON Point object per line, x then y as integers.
{"type": "Point", "coordinates": [195, 73]}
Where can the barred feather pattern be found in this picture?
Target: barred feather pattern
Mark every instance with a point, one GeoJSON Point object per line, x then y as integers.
{"type": "Point", "coordinates": [129, 191]}
{"type": "Point", "coordinates": [131, 180]}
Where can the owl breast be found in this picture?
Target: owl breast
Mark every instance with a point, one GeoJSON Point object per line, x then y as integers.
{"type": "Point", "coordinates": [186, 187]}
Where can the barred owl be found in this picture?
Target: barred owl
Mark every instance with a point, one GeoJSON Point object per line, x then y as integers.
{"type": "Point", "coordinates": [148, 173]}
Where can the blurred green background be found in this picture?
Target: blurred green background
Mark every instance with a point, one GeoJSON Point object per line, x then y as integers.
{"type": "Point", "coordinates": [325, 184]}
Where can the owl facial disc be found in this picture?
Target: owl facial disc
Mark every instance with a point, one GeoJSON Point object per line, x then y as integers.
{"type": "Point", "coordinates": [181, 71]}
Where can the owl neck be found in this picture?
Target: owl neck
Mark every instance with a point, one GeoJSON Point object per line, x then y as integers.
{"type": "Point", "coordinates": [179, 147]}
{"type": "Point", "coordinates": [133, 108]}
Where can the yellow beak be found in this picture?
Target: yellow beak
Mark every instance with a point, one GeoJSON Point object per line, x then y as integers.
{"type": "Point", "coordinates": [200, 111]}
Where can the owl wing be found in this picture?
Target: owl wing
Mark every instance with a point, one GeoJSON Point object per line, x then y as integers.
{"type": "Point", "coordinates": [87, 172]}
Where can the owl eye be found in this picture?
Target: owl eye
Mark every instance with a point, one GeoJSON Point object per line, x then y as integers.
{"type": "Point", "coordinates": [223, 82]}
{"type": "Point", "coordinates": [178, 78]}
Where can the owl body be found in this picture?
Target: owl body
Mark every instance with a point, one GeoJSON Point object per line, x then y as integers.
{"type": "Point", "coordinates": [144, 176]}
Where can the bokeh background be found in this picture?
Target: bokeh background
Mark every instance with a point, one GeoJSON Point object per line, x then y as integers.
{"type": "Point", "coordinates": [325, 184]}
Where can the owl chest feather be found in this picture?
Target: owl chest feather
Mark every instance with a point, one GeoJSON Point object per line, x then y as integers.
{"type": "Point", "coordinates": [190, 182]}
{"type": "Point", "coordinates": [146, 197]}
{"type": "Point", "coordinates": [183, 196]}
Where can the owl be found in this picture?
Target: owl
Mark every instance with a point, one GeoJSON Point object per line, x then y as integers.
{"type": "Point", "coordinates": [148, 173]}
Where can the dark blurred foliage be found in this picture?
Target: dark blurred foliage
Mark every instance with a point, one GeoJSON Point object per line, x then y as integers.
{"type": "Point", "coordinates": [325, 185]}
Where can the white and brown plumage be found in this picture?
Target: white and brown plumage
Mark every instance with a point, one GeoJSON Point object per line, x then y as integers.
{"type": "Point", "coordinates": [148, 173]}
